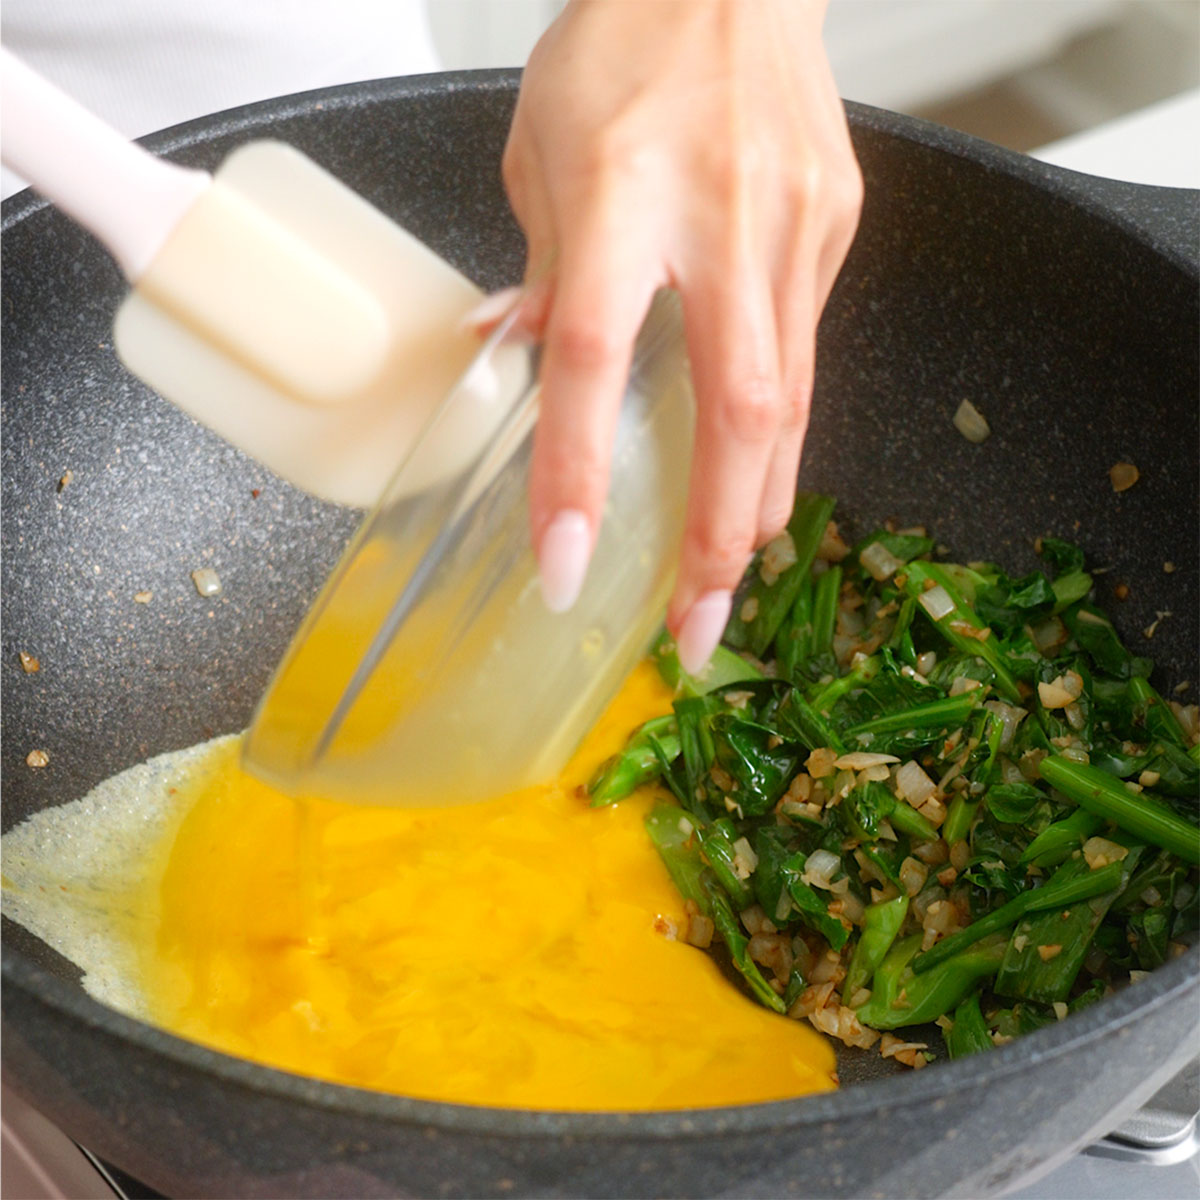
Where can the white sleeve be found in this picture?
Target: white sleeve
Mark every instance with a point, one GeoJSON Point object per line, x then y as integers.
{"type": "Point", "coordinates": [143, 65]}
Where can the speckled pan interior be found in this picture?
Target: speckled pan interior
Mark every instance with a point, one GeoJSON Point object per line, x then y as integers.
{"type": "Point", "coordinates": [1064, 308]}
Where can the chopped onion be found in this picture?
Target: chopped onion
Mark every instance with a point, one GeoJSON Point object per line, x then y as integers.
{"type": "Point", "coordinates": [913, 784]}
{"type": "Point", "coordinates": [963, 683]}
{"type": "Point", "coordinates": [832, 548]}
{"type": "Point", "coordinates": [912, 875]}
{"type": "Point", "coordinates": [860, 760]}
{"type": "Point", "coordinates": [1010, 715]}
{"type": "Point", "coordinates": [779, 554]}
{"type": "Point", "coordinates": [1123, 476]}
{"type": "Point", "coordinates": [850, 622]}
{"type": "Point", "coordinates": [926, 662]}
{"type": "Point", "coordinates": [1100, 852]}
{"type": "Point", "coordinates": [879, 561]}
{"type": "Point", "coordinates": [1060, 691]}
{"type": "Point", "coordinates": [1051, 633]}
{"type": "Point", "coordinates": [1010, 772]}
{"type": "Point", "coordinates": [970, 422]}
{"type": "Point", "coordinates": [1188, 716]}
{"type": "Point", "coordinates": [820, 763]}
{"type": "Point", "coordinates": [936, 602]}
{"type": "Point", "coordinates": [820, 868]}
{"type": "Point", "coordinates": [207, 581]}
{"type": "Point", "coordinates": [744, 858]}
{"type": "Point", "coordinates": [941, 918]}
{"type": "Point", "coordinates": [873, 775]}
{"type": "Point", "coordinates": [852, 908]}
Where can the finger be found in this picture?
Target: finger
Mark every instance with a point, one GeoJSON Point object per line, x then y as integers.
{"type": "Point", "coordinates": [601, 293]}
{"type": "Point", "coordinates": [733, 347]}
{"type": "Point", "coordinates": [845, 202]}
{"type": "Point", "coordinates": [525, 183]}
{"type": "Point", "coordinates": [779, 489]}
{"type": "Point", "coordinates": [533, 304]}
{"type": "Point", "coordinates": [796, 317]}
{"type": "Point", "coordinates": [809, 269]}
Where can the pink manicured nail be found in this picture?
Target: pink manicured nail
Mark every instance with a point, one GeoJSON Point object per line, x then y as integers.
{"type": "Point", "coordinates": [491, 310]}
{"type": "Point", "coordinates": [702, 629]}
{"type": "Point", "coordinates": [563, 559]}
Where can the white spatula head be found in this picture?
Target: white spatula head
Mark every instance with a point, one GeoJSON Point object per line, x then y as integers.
{"type": "Point", "coordinates": [301, 324]}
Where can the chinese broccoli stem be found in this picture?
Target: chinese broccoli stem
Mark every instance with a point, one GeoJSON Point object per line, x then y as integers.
{"type": "Point", "coordinates": [727, 925]}
{"type": "Point", "coordinates": [969, 1033]}
{"type": "Point", "coordinates": [907, 820]}
{"type": "Point", "coordinates": [1068, 588]}
{"type": "Point", "coordinates": [716, 842]}
{"type": "Point", "coordinates": [827, 591]}
{"type": "Point", "coordinates": [956, 625]}
{"type": "Point", "coordinates": [912, 728]}
{"type": "Point", "coordinates": [1152, 711]}
{"type": "Point", "coordinates": [1056, 841]}
{"type": "Point", "coordinates": [899, 997]}
{"type": "Point", "coordinates": [959, 817]}
{"type": "Point", "coordinates": [1070, 883]}
{"type": "Point", "coordinates": [673, 835]}
{"type": "Point", "coordinates": [1107, 797]}
{"type": "Point", "coordinates": [793, 642]}
{"type": "Point", "coordinates": [1044, 955]}
{"type": "Point", "coordinates": [806, 724]}
{"type": "Point", "coordinates": [766, 605]}
{"type": "Point", "coordinates": [638, 763]}
{"type": "Point", "coordinates": [724, 669]}
{"type": "Point", "coordinates": [880, 925]}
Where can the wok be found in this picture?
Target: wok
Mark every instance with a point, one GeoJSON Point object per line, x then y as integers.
{"type": "Point", "coordinates": [1064, 307]}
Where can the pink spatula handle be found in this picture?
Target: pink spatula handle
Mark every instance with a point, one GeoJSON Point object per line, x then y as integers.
{"type": "Point", "coordinates": [130, 200]}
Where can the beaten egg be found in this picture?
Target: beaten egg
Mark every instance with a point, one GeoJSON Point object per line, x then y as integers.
{"type": "Point", "coordinates": [516, 953]}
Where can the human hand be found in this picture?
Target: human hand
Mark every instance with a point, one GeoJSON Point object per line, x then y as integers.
{"type": "Point", "coordinates": [697, 144]}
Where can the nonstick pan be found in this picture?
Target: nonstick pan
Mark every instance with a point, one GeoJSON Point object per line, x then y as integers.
{"type": "Point", "coordinates": [1063, 307]}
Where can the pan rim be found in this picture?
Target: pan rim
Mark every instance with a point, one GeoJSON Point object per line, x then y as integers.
{"type": "Point", "coordinates": [1072, 186]}
{"type": "Point", "coordinates": [1168, 984]}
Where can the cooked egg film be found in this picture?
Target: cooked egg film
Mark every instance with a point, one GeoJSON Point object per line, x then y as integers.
{"type": "Point", "coordinates": [516, 953]}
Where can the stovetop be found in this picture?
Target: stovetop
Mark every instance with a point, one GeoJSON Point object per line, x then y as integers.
{"type": "Point", "coordinates": [1154, 1155]}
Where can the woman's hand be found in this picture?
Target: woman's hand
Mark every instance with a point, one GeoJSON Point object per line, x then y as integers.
{"type": "Point", "coordinates": [698, 144]}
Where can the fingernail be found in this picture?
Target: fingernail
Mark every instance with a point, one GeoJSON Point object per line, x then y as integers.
{"type": "Point", "coordinates": [491, 310]}
{"type": "Point", "coordinates": [701, 630]}
{"type": "Point", "coordinates": [563, 559]}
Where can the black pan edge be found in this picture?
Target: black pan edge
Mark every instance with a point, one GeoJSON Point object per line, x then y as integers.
{"type": "Point", "coordinates": [1171, 983]}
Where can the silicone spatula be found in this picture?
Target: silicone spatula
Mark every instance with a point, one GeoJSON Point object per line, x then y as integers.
{"type": "Point", "coordinates": [269, 301]}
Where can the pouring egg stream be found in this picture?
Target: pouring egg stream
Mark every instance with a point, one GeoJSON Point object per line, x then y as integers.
{"type": "Point", "coordinates": [517, 953]}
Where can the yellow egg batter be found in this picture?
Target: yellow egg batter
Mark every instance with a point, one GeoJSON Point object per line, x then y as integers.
{"type": "Point", "coordinates": [513, 953]}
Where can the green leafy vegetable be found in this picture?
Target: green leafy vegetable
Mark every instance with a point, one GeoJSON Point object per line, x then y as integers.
{"type": "Point", "coordinates": [969, 1034]}
{"type": "Point", "coordinates": [945, 792]}
{"type": "Point", "coordinates": [764, 604]}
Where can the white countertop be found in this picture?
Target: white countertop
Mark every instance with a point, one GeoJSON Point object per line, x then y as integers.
{"type": "Point", "coordinates": [1158, 145]}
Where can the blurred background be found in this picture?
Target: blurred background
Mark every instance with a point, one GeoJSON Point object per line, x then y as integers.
{"type": "Point", "coordinates": [1027, 74]}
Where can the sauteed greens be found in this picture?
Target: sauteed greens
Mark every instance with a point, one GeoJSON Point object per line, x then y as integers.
{"type": "Point", "coordinates": [910, 791]}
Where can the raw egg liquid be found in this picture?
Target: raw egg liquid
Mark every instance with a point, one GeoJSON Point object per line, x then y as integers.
{"type": "Point", "coordinates": [517, 953]}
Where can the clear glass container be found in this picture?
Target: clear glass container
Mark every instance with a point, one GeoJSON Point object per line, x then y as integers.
{"type": "Point", "coordinates": [429, 671]}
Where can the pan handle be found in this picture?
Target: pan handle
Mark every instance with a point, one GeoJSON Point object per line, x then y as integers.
{"type": "Point", "coordinates": [1167, 218]}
